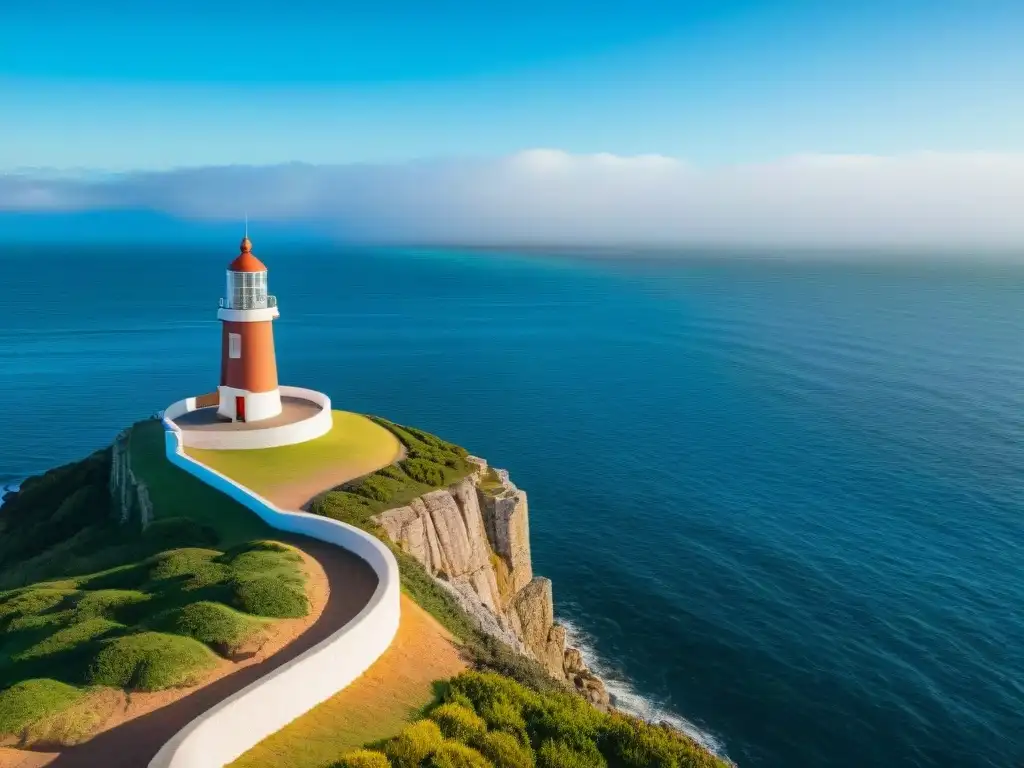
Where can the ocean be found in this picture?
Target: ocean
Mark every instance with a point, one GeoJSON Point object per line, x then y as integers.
{"type": "Point", "coordinates": [781, 500]}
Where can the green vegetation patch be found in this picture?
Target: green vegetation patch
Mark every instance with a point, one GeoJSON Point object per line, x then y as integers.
{"type": "Point", "coordinates": [150, 661]}
{"type": "Point", "coordinates": [487, 720]}
{"type": "Point", "coordinates": [362, 758]}
{"type": "Point", "coordinates": [28, 700]}
{"type": "Point", "coordinates": [430, 463]}
{"type": "Point", "coordinates": [505, 750]}
{"type": "Point", "coordinates": [222, 628]}
{"type": "Point", "coordinates": [414, 744]}
{"type": "Point", "coordinates": [178, 495]}
{"type": "Point", "coordinates": [453, 754]}
{"type": "Point", "coordinates": [147, 625]}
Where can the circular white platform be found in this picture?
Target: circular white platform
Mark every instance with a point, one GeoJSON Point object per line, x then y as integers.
{"type": "Point", "coordinates": [305, 415]}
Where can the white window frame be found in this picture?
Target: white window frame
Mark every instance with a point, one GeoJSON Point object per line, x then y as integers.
{"type": "Point", "coordinates": [235, 346]}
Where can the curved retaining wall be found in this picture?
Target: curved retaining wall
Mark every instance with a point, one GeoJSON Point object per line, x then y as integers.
{"type": "Point", "coordinates": [236, 724]}
{"type": "Point", "coordinates": [271, 437]}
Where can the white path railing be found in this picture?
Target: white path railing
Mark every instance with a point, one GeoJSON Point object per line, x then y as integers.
{"type": "Point", "coordinates": [236, 724]}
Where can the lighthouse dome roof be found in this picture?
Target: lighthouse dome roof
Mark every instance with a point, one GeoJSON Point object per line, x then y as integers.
{"type": "Point", "coordinates": [246, 261]}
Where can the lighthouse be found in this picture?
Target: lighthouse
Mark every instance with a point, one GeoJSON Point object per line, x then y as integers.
{"type": "Point", "coordinates": [248, 370]}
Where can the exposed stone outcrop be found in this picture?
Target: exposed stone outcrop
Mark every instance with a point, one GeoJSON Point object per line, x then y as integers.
{"type": "Point", "coordinates": [474, 538]}
{"type": "Point", "coordinates": [129, 495]}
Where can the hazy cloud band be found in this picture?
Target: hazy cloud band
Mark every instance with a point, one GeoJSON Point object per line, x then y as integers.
{"type": "Point", "coordinates": [549, 196]}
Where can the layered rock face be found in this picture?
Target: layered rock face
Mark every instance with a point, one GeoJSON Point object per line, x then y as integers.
{"type": "Point", "coordinates": [474, 538]}
{"type": "Point", "coordinates": [129, 494]}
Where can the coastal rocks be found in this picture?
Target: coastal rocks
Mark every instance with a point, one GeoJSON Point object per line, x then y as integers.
{"type": "Point", "coordinates": [474, 538]}
{"type": "Point", "coordinates": [129, 495]}
{"type": "Point", "coordinates": [535, 610]}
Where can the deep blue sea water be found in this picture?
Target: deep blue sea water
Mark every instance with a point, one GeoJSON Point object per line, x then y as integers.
{"type": "Point", "coordinates": [783, 500]}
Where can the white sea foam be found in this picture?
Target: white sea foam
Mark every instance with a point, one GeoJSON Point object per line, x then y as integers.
{"type": "Point", "coordinates": [626, 697]}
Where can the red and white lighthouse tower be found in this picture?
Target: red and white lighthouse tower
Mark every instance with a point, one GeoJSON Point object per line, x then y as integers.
{"type": "Point", "coordinates": [248, 370]}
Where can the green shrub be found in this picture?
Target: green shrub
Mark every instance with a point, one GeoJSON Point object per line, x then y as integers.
{"type": "Point", "coordinates": [557, 754]}
{"type": "Point", "coordinates": [29, 700]}
{"type": "Point", "coordinates": [452, 754]}
{"type": "Point", "coordinates": [502, 715]}
{"type": "Point", "coordinates": [105, 602]}
{"type": "Point", "coordinates": [504, 750]}
{"type": "Point", "coordinates": [483, 688]}
{"type": "Point", "coordinates": [269, 596]}
{"type": "Point", "coordinates": [423, 471]}
{"type": "Point", "coordinates": [377, 487]}
{"type": "Point", "coordinates": [633, 743]}
{"type": "Point", "coordinates": [566, 718]}
{"type": "Point", "coordinates": [257, 563]}
{"type": "Point", "coordinates": [458, 722]}
{"type": "Point", "coordinates": [70, 638]}
{"type": "Point", "coordinates": [150, 661]}
{"type": "Point", "coordinates": [220, 627]}
{"type": "Point", "coordinates": [343, 506]}
{"type": "Point", "coordinates": [393, 472]}
{"type": "Point", "coordinates": [30, 602]}
{"type": "Point", "coordinates": [362, 758]}
{"type": "Point", "coordinates": [414, 744]}
{"type": "Point", "coordinates": [193, 568]}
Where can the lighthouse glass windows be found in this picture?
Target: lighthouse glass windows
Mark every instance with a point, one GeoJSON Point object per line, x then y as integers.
{"type": "Point", "coordinates": [247, 290]}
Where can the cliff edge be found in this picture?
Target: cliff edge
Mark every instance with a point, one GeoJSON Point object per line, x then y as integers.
{"type": "Point", "coordinates": [473, 537]}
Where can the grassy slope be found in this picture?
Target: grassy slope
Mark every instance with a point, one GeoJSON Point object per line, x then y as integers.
{"type": "Point", "coordinates": [354, 446]}
{"type": "Point", "coordinates": [98, 603]}
{"type": "Point", "coordinates": [177, 494]}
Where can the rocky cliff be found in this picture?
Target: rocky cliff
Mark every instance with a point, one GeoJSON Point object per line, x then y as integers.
{"type": "Point", "coordinates": [129, 495]}
{"type": "Point", "coordinates": [474, 538]}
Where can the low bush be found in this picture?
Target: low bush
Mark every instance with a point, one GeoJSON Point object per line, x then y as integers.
{"type": "Point", "coordinates": [504, 750]}
{"type": "Point", "coordinates": [269, 596]}
{"type": "Point", "coordinates": [414, 744]}
{"type": "Point", "coordinates": [378, 487]}
{"type": "Point", "coordinates": [223, 629]}
{"type": "Point", "coordinates": [423, 471]}
{"type": "Point", "coordinates": [566, 718]}
{"type": "Point", "coordinates": [362, 758]}
{"type": "Point", "coordinates": [452, 754]}
{"type": "Point", "coordinates": [150, 661]}
{"type": "Point", "coordinates": [69, 638]}
{"type": "Point", "coordinates": [29, 700]}
{"type": "Point", "coordinates": [632, 743]}
{"type": "Point", "coordinates": [191, 568]}
{"type": "Point", "coordinates": [459, 722]}
{"type": "Point", "coordinates": [558, 754]}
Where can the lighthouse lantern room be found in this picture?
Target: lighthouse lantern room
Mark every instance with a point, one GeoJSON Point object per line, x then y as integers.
{"type": "Point", "coordinates": [248, 370]}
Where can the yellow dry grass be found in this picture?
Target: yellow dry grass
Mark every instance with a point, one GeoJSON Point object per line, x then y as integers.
{"type": "Point", "coordinates": [379, 704]}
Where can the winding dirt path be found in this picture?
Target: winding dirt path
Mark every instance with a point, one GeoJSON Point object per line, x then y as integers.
{"type": "Point", "coordinates": [345, 587]}
{"type": "Point", "coordinates": [339, 584]}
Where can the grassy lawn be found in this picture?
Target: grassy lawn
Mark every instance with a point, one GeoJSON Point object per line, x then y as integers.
{"type": "Point", "coordinates": [177, 494]}
{"type": "Point", "coordinates": [355, 446]}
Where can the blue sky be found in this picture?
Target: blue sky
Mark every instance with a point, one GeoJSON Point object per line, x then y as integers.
{"type": "Point", "coordinates": [124, 86]}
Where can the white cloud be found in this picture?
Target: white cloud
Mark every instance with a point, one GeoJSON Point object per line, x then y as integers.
{"type": "Point", "coordinates": [550, 196]}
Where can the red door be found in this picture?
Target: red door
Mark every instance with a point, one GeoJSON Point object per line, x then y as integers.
{"type": "Point", "coordinates": [240, 408]}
